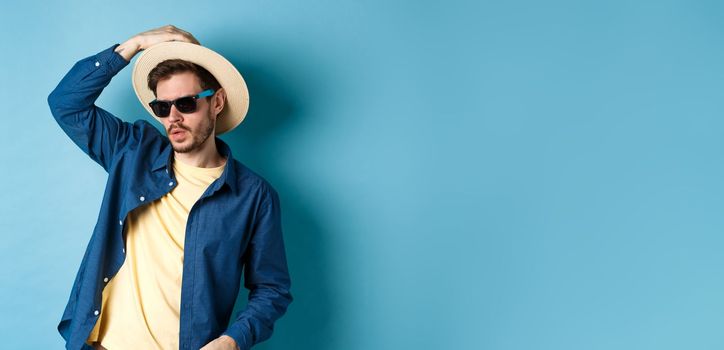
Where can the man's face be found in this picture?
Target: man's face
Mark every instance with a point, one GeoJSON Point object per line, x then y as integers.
{"type": "Point", "coordinates": [186, 131]}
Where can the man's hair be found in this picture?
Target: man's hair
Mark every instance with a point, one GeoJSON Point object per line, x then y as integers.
{"type": "Point", "coordinates": [167, 68]}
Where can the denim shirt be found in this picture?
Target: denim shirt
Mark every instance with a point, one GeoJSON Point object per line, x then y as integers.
{"type": "Point", "coordinates": [234, 227]}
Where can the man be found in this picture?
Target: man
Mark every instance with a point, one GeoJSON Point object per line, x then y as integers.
{"type": "Point", "coordinates": [181, 218]}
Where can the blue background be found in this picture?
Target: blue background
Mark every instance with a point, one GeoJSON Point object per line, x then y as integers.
{"type": "Point", "coordinates": [453, 175]}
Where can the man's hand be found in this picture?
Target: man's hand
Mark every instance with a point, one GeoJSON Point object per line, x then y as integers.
{"type": "Point", "coordinates": [142, 41]}
{"type": "Point", "coordinates": [223, 342]}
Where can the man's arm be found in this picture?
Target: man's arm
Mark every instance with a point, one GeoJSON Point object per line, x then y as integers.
{"type": "Point", "coordinates": [96, 131]}
{"type": "Point", "coordinates": [265, 275]}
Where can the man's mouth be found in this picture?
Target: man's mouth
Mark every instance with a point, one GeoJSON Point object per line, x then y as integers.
{"type": "Point", "coordinates": [177, 131]}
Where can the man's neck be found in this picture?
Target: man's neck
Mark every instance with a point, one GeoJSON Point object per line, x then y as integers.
{"type": "Point", "coordinates": [206, 157]}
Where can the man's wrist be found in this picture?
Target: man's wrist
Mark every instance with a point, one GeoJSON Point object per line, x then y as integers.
{"type": "Point", "coordinates": [230, 340]}
{"type": "Point", "coordinates": [128, 49]}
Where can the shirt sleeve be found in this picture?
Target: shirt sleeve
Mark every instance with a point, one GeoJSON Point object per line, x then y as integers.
{"type": "Point", "coordinates": [265, 275]}
{"type": "Point", "coordinates": [97, 132]}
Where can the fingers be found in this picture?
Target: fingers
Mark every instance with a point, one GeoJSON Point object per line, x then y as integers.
{"type": "Point", "coordinates": [179, 34]}
{"type": "Point", "coordinates": [165, 33]}
{"type": "Point", "coordinates": [187, 36]}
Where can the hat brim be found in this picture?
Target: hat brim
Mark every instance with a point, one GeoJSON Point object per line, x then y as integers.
{"type": "Point", "coordinates": [237, 94]}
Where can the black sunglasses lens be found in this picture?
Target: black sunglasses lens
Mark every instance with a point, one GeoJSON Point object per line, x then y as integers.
{"type": "Point", "coordinates": [186, 104]}
{"type": "Point", "coordinates": [161, 108]}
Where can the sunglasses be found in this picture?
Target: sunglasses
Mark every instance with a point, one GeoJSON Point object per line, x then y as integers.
{"type": "Point", "coordinates": [186, 104]}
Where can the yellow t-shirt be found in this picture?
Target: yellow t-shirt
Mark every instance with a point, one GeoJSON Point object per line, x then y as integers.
{"type": "Point", "coordinates": [141, 303]}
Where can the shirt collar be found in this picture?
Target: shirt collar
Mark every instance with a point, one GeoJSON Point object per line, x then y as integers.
{"type": "Point", "coordinates": [165, 160]}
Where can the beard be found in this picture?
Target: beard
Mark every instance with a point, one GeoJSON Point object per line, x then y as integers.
{"type": "Point", "coordinates": [197, 138]}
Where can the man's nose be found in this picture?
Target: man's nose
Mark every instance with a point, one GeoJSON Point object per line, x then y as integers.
{"type": "Point", "coordinates": [174, 115]}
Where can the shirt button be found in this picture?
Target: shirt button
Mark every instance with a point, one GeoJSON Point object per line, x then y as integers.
{"type": "Point", "coordinates": [120, 222]}
{"type": "Point", "coordinates": [124, 250]}
{"type": "Point", "coordinates": [170, 183]}
{"type": "Point", "coordinates": [105, 280]}
{"type": "Point", "coordinates": [96, 312]}
{"type": "Point", "coordinates": [98, 64]}
{"type": "Point", "coordinates": [142, 198]}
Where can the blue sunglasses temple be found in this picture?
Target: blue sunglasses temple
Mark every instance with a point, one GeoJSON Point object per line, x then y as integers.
{"type": "Point", "coordinates": [205, 93]}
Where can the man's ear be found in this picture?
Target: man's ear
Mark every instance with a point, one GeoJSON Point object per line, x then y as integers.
{"type": "Point", "coordinates": [219, 101]}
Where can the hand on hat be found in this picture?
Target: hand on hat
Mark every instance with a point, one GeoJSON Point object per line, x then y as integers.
{"type": "Point", "coordinates": [144, 40]}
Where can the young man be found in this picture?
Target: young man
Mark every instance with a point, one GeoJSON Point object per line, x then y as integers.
{"type": "Point", "coordinates": [181, 218]}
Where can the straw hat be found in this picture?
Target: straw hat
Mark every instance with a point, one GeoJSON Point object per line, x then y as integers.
{"type": "Point", "coordinates": [237, 95]}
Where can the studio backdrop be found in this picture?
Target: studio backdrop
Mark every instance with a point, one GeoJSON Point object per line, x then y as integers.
{"type": "Point", "coordinates": [452, 174]}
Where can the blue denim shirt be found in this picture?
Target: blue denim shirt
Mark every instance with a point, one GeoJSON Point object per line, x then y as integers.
{"type": "Point", "coordinates": [235, 226]}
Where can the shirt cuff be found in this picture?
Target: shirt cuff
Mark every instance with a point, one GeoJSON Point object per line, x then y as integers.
{"type": "Point", "coordinates": [110, 61]}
